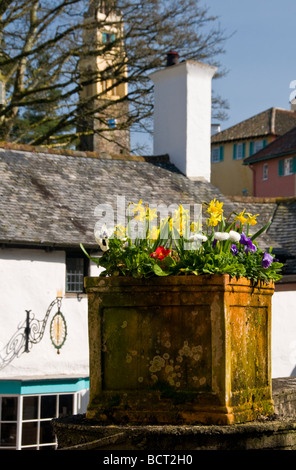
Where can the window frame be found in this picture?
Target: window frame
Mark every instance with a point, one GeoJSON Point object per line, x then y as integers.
{"type": "Point", "coordinates": [39, 420]}
{"type": "Point", "coordinates": [265, 172]}
{"type": "Point", "coordinates": [258, 145]}
{"type": "Point", "coordinates": [288, 166]}
{"type": "Point", "coordinates": [108, 37]}
{"type": "Point", "coordinates": [239, 151]}
{"type": "Point", "coordinates": [217, 154]}
{"type": "Point", "coordinates": [85, 269]}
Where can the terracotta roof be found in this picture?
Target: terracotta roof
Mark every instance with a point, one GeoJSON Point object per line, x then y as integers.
{"type": "Point", "coordinates": [283, 145]}
{"type": "Point", "coordinates": [48, 199]}
{"type": "Point", "coordinates": [273, 121]}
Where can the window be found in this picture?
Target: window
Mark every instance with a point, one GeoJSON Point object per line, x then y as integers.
{"type": "Point", "coordinates": [108, 83]}
{"type": "Point", "coordinates": [239, 151]}
{"type": "Point", "coordinates": [76, 270]}
{"type": "Point", "coordinates": [109, 86]}
{"type": "Point", "coordinates": [8, 422]}
{"type": "Point", "coordinates": [256, 146]}
{"type": "Point", "coordinates": [265, 171]}
{"type": "Point", "coordinates": [287, 166]}
{"type": "Point", "coordinates": [32, 431]}
{"type": "Point", "coordinates": [217, 154]}
{"type": "Point", "coordinates": [108, 37]}
{"type": "Point", "coordinates": [112, 123]}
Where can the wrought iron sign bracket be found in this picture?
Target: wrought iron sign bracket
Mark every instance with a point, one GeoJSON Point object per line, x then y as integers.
{"type": "Point", "coordinates": [31, 332]}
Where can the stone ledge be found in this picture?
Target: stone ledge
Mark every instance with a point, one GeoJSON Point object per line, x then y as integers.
{"type": "Point", "coordinates": [277, 432]}
{"type": "Point", "coordinates": [76, 433]}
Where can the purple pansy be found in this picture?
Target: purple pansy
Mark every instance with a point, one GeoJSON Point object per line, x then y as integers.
{"type": "Point", "coordinates": [249, 245]}
{"type": "Point", "coordinates": [266, 260]}
{"type": "Point", "coordinates": [234, 249]}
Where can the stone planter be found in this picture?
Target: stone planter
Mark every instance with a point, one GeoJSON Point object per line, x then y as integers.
{"type": "Point", "coordinates": [179, 350]}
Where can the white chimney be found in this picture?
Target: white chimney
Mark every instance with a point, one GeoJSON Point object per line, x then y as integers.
{"type": "Point", "coordinates": [293, 105]}
{"type": "Point", "coordinates": [182, 116]}
{"type": "Point", "coordinates": [215, 128]}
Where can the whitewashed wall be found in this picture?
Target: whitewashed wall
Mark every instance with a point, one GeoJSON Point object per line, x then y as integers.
{"type": "Point", "coordinates": [29, 280]}
{"type": "Point", "coordinates": [283, 342]}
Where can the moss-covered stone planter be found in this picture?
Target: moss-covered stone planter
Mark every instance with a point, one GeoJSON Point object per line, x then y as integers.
{"type": "Point", "coordinates": [179, 350]}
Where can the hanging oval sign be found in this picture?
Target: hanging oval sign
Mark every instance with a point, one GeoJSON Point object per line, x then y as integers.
{"type": "Point", "coordinates": [58, 330]}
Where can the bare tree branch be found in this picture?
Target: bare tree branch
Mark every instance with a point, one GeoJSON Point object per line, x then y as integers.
{"type": "Point", "coordinates": [43, 46]}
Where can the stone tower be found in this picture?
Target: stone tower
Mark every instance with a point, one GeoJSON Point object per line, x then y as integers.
{"type": "Point", "coordinates": [103, 76]}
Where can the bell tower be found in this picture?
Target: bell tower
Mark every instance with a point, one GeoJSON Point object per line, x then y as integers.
{"type": "Point", "coordinates": [103, 80]}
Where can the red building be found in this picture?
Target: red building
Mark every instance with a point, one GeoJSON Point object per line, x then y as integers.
{"type": "Point", "coordinates": [274, 167]}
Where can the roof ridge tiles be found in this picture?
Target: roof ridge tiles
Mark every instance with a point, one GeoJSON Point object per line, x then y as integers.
{"type": "Point", "coordinates": [83, 153]}
{"type": "Point", "coordinates": [261, 124]}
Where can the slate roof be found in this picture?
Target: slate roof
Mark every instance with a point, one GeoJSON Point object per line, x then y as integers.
{"type": "Point", "coordinates": [283, 145]}
{"type": "Point", "coordinates": [283, 229]}
{"type": "Point", "coordinates": [48, 198]}
{"type": "Point", "coordinates": [273, 121]}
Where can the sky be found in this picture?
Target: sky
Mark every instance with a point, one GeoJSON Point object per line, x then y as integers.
{"type": "Point", "coordinates": [260, 56]}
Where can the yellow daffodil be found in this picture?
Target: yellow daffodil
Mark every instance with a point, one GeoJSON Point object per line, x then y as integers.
{"type": "Point", "coordinates": [137, 207]}
{"type": "Point", "coordinates": [151, 214]}
{"type": "Point", "coordinates": [251, 219]}
{"type": "Point", "coordinates": [215, 207]}
{"type": "Point", "coordinates": [120, 231]}
{"type": "Point", "coordinates": [181, 211]}
{"type": "Point", "coordinates": [241, 218]}
{"type": "Point", "coordinates": [196, 226]}
{"type": "Point", "coordinates": [180, 218]}
{"type": "Point", "coordinates": [214, 220]}
{"type": "Point", "coordinates": [140, 210]}
{"type": "Point", "coordinates": [141, 214]}
{"type": "Point", "coordinates": [153, 233]}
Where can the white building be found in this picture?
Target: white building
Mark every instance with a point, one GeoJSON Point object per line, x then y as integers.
{"type": "Point", "coordinates": [51, 379]}
{"type": "Point", "coordinates": [47, 208]}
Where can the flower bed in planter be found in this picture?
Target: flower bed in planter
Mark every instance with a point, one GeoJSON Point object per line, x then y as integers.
{"type": "Point", "coordinates": [181, 335]}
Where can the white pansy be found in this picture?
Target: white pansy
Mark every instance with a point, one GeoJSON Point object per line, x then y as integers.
{"type": "Point", "coordinates": [102, 236]}
{"type": "Point", "coordinates": [234, 236]}
{"type": "Point", "coordinates": [103, 244]}
{"type": "Point", "coordinates": [221, 236]}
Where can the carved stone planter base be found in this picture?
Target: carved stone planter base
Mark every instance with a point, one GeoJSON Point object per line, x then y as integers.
{"type": "Point", "coordinates": [179, 350]}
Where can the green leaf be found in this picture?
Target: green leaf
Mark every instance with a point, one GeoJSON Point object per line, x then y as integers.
{"type": "Point", "coordinates": [261, 231]}
{"type": "Point", "coordinates": [95, 260]}
{"type": "Point", "coordinates": [158, 271]}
